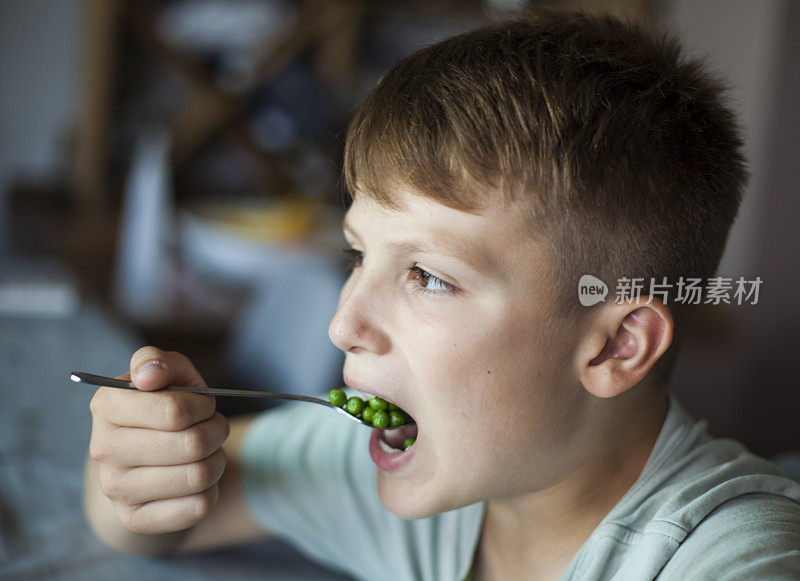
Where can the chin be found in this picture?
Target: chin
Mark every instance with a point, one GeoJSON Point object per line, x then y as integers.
{"type": "Point", "coordinates": [408, 501]}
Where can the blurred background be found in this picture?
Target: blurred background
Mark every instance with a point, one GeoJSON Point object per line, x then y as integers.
{"type": "Point", "coordinates": [169, 175]}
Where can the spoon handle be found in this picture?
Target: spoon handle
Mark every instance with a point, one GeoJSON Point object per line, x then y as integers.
{"type": "Point", "coordinates": [99, 380]}
{"type": "Point", "coordinates": [102, 381]}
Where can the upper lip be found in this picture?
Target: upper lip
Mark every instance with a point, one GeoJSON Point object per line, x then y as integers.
{"type": "Point", "coordinates": [349, 382]}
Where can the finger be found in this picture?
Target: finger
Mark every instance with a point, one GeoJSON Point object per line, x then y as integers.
{"type": "Point", "coordinates": [170, 515]}
{"type": "Point", "coordinates": [161, 410]}
{"type": "Point", "coordinates": [147, 483]}
{"type": "Point", "coordinates": [152, 368]}
{"type": "Point", "coordinates": [130, 447]}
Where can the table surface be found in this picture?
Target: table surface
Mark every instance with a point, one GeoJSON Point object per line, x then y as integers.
{"type": "Point", "coordinates": [44, 434]}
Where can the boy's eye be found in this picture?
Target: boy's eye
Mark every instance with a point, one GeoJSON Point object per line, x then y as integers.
{"type": "Point", "coordinates": [355, 258]}
{"type": "Point", "coordinates": [428, 283]}
{"type": "Point", "coordinates": [431, 283]}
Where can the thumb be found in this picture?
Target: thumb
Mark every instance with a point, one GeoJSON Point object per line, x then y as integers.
{"type": "Point", "coordinates": [152, 368]}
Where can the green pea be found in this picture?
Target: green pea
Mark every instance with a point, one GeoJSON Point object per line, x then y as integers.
{"type": "Point", "coordinates": [355, 405]}
{"type": "Point", "coordinates": [378, 404]}
{"type": "Point", "coordinates": [337, 397]}
{"type": "Point", "coordinates": [392, 407]}
{"type": "Point", "coordinates": [367, 414]}
{"type": "Point", "coordinates": [408, 443]}
{"type": "Point", "coordinates": [397, 418]}
{"type": "Point", "coordinates": [380, 419]}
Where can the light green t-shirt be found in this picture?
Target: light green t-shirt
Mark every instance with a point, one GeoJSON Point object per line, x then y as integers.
{"type": "Point", "coordinates": [702, 508]}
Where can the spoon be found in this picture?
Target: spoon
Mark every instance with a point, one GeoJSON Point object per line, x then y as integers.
{"type": "Point", "coordinates": [90, 378]}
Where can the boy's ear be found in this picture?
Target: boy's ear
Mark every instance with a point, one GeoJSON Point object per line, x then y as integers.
{"type": "Point", "coordinates": [621, 345]}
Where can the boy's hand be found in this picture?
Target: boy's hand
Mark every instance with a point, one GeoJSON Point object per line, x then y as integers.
{"type": "Point", "coordinates": [158, 455]}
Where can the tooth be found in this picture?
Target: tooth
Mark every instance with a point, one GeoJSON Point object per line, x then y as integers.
{"type": "Point", "coordinates": [386, 447]}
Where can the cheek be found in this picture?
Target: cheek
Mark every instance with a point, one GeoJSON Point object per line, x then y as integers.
{"type": "Point", "coordinates": [485, 352]}
{"type": "Point", "coordinates": [475, 371]}
{"type": "Point", "coordinates": [493, 379]}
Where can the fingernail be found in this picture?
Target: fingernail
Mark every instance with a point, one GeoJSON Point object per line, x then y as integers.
{"type": "Point", "coordinates": [151, 365]}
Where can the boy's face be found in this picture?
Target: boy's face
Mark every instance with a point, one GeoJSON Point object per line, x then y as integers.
{"type": "Point", "coordinates": [448, 316]}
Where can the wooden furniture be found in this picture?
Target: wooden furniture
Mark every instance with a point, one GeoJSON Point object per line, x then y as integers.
{"type": "Point", "coordinates": [326, 29]}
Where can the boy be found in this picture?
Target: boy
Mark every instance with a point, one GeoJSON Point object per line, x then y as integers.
{"type": "Point", "coordinates": [489, 173]}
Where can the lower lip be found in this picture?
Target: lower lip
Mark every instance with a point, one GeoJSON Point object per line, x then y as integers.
{"type": "Point", "coordinates": [384, 460]}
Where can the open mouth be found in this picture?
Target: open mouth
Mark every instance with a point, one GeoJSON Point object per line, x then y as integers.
{"type": "Point", "coordinates": [396, 439]}
{"type": "Point", "coordinates": [392, 449]}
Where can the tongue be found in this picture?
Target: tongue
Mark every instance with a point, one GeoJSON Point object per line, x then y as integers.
{"type": "Point", "coordinates": [396, 437]}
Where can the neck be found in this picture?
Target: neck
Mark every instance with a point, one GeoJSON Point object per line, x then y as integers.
{"type": "Point", "coordinates": [536, 534]}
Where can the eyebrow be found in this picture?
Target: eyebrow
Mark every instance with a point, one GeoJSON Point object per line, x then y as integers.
{"type": "Point", "coordinates": [470, 254]}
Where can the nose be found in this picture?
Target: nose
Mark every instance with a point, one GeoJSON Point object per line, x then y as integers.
{"type": "Point", "coordinates": [356, 326]}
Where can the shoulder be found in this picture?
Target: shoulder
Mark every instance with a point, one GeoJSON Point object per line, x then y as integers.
{"type": "Point", "coordinates": [703, 508]}
{"type": "Point", "coordinates": [752, 536]}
